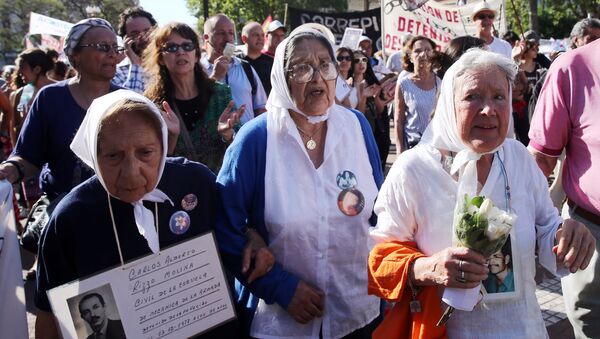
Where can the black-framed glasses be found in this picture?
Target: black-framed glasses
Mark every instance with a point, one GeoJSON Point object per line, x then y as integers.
{"type": "Point", "coordinates": [105, 48]}
{"type": "Point", "coordinates": [341, 58]}
{"type": "Point", "coordinates": [482, 16]}
{"type": "Point", "coordinates": [363, 60]}
{"type": "Point", "coordinates": [173, 47]}
{"type": "Point", "coordinates": [305, 73]}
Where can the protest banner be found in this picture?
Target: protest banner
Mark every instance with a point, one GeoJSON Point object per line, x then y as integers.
{"type": "Point", "coordinates": [436, 20]}
{"type": "Point", "coordinates": [369, 21]}
{"type": "Point", "coordinates": [41, 24]}
{"type": "Point", "coordinates": [178, 292]}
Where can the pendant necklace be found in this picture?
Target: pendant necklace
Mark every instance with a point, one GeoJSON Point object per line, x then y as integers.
{"type": "Point", "coordinates": [311, 144]}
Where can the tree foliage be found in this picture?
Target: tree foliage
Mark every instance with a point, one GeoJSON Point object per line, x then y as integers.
{"type": "Point", "coordinates": [14, 18]}
{"type": "Point", "coordinates": [242, 11]}
{"type": "Point", "coordinates": [556, 17]}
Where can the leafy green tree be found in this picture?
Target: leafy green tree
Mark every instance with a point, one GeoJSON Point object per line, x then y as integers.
{"type": "Point", "coordinates": [556, 17]}
{"type": "Point", "coordinates": [242, 11]}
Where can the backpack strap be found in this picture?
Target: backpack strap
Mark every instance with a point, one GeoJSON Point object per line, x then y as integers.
{"type": "Point", "coordinates": [249, 74]}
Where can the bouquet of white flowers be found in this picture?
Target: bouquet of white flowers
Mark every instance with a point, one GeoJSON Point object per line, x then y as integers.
{"type": "Point", "coordinates": [482, 227]}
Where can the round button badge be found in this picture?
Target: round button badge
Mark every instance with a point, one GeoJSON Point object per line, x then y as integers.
{"type": "Point", "coordinates": [179, 222]}
{"type": "Point", "coordinates": [189, 202]}
{"type": "Point", "coordinates": [346, 179]}
{"type": "Point", "coordinates": [351, 202]}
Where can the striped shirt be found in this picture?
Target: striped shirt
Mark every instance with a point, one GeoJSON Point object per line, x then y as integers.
{"type": "Point", "coordinates": [419, 106]}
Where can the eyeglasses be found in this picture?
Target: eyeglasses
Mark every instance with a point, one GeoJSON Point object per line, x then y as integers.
{"type": "Point", "coordinates": [106, 48]}
{"type": "Point", "coordinates": [304, 73]}
{"type": "Point", "coordinates": [173, 48]}
{"type": "Point", "coordinates": [341, 58]}
{"type": "Point", "coordinates": [423, 51]}
{"type": "Point", "coordinates": [482, 16]}
{"type": "Point", "coordinates": [363, 60]}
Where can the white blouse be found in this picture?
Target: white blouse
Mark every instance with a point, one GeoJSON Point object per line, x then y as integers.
{"type": "Point", "coordinates": [416, 203]}
{"type": "Point", "coordinates": [308, 233]}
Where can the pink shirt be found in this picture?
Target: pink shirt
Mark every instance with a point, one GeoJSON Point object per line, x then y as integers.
{"type": "Point", "coordinates": [567, 116]}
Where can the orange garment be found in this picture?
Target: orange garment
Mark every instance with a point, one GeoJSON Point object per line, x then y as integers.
{"type": "Point", "coordinates": [388, 279]}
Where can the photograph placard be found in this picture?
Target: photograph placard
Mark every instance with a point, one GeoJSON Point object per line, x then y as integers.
{"type": "Point", "coordinates": [178, 292]}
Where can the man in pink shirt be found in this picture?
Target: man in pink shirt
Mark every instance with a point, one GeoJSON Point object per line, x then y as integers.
{"type": "Point", "coordinates": [567, 117]}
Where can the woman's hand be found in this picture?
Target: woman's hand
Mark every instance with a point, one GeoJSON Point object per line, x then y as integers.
{"type": "Point", "coordinates": [173, 126]}
{"type": "Point", "coordinates": [458, 267]}
{"type": "Point", "coordinates": [228, 119]}
{"type": "Point", "coordinates": [371, 91]}
{"type": "Point", "coordinates": [576, 245]}
{"type": "Point", "coordinates": [308, 302]}
{"type": "Point", "coordinates": [517, 51]}
{"type": "Point", "coordinates": [256, 249]}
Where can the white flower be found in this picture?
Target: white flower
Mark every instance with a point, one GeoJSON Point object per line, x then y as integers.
{"type": "Point", "coordinates": [485, 207]}
{"type": "Point", "coordinates": [497, 229]}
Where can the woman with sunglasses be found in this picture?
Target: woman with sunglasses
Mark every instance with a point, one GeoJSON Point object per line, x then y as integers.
{"type": "Point", "coordinates": [372, 100]}
{"type": "Point", "coordinates": [416, 93]}
{"type": "Point", "coordinates": [204, 107]}
{"type": "Point", "coordinates": [290, 174]}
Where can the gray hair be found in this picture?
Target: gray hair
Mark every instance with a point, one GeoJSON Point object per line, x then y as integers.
{"type": "Point", "coordinates": [582, 26]}
{"type": "Point", "coordinates": [476, 58]}
{"type": "Point", "coordinates": [249, 26]}
{"type": "Point", "coordinates": [295, 41]}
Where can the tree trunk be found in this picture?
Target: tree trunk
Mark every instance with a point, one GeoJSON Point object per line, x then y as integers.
{"type": "Point", "coordinates": [533, 16]}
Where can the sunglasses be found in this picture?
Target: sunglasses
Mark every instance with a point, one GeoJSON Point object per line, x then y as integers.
{"type": "Point", "coordinates": [363, 60]}
{"type": "Point", "coordinates": [173, 48]}
{"type": "Point", "coordinates": [485, 16]}
{"type": "Point", "coordinates": [105, 48]}
{"type": "Point", "coordinates": [341, 58]}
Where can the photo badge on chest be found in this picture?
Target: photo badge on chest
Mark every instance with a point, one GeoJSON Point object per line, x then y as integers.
{"type": "Point", "coordinates": [350, 201]}
{"type": "Point", "coordinates": [189, 202]}
{"type": "Point", "coordinates": [179, 222]}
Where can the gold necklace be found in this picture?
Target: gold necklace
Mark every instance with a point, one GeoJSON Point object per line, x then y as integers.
{"type": "Point", "coordinates": [311, 144]}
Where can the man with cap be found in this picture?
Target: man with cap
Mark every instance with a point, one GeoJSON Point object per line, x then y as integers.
{"type": "Point", "coordinates": [253, 37]}
{"type": "Point", "coordinates": [246, 87]}
{"type": "Point", "coordinates": [275, 34]}
{"type": "Point", "coordinates": [483, 16]}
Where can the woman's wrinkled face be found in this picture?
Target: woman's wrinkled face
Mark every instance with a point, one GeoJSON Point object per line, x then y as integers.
{"type": "Point", "coordinates": [317, 95]}
{"type": "Point", "coordinates": [129, 156]}
{"type": "Point", "coordinates": [482, 107]}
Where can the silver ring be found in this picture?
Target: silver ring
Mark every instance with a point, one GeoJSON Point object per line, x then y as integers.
{"type": "Point", "coordinates": [462, 275]}
{"type": "Point", "coordinates": [460, 262]}
{"type": "Point", "coordinates": [461, 280]}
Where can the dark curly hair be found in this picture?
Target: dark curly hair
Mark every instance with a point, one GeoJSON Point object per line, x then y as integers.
{"type": "Point", "coordinates": [133, 12]}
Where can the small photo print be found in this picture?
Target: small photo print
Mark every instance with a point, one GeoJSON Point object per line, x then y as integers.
{"type": "Point", "coordinates": [95, 314]}
{"type": "Point", "coordinates": [501, 278]}
{"type": "Point", "coordinates": [351, 202]}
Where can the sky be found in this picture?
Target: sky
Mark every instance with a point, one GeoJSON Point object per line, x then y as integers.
{"type": "Point", "coordinates": [165, 11]}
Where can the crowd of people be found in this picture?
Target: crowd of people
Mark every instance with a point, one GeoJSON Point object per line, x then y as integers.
{"type": "Point", "coordinates": [281, 151]}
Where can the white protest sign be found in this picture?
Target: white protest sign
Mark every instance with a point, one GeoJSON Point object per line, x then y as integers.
{"type": "Point", "coordinates": [351, 38]}
{"type": "Point", "coordinates": [177, 293]}
{"type": "Point", "coordinates": [41, 24]}
{"type": "Point", "coordinates": [438, 21]}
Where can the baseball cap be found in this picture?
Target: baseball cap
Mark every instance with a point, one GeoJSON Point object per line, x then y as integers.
{"type": "Point", "coordinates": [531, 35]}
{"type": "Point", "coordinates": [275, 25]}
{"type": "Point", "coordinates": [482, 7]}
{"type": "Point", "coordinates": [364, 38]}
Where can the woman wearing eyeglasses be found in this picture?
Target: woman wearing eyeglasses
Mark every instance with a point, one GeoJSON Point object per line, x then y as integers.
{"type": "Point", "coordinates": [204, 107]}
{"type": "Point", "coordinates": [55, 115]}
{"type": "Point", "coordinates": [416, 93]}
{"type": "Point", "coordinates": [289, 174]}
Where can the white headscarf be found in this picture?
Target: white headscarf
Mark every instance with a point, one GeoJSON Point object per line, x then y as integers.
{"type": "Point", "coordinates": [85, 146]}
{"type": "Point", "coordinates": [442, 131]}
{"type": "Point", "coordinates": [280, 99]}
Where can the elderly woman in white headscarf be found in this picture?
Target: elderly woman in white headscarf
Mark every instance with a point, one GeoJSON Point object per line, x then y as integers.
{"type": "Point", "coordinates": [284, 175]}
{"type": "Point", "coordinates": [465, 147]}
{"type": "Point", "coordinates": [138, 202]}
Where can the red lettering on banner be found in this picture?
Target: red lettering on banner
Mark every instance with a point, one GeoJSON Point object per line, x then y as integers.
{"type": "Point", "coordinates": [409, 28]}
{"type": "Point", "coordinates": [451, 16]}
